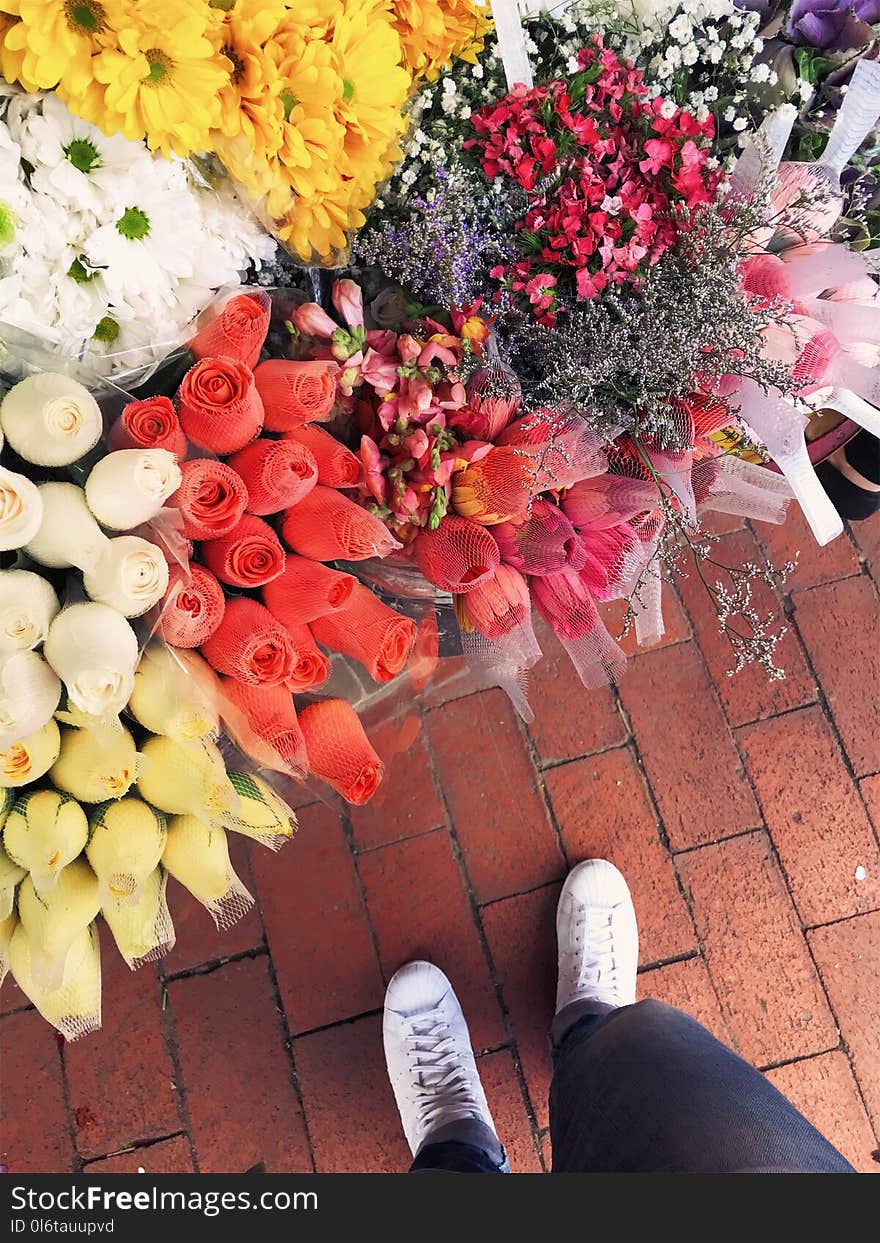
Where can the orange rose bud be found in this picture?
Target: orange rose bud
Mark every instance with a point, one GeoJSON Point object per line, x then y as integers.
{"type": "Point", "coordinates": [339, 751]}
{"type": "Point", "coordinates": [368, 631]}
{"type": "Point", "coordinates": [238, 331]}
{"type": "Point", "coordinates": [295, 393]}
{"type": "Point", "coordinates": [220, 409]}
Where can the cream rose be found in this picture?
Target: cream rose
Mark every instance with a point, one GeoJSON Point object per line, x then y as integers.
{"type": "Point", "coordinates": [68, 534]}
{"type": "Point", "coordinates": [21, 510]}
{"type": "Point", "coordinates": [27, 605]}
{"type": "Point", "coordinates": [131, 575]}
{"type": "Point", "coordinates": [29, 694]}
{"type": "Point", "coordinates": [94, 651]}
{"type": "Point", "coordinates": [130, 486]}
{"type": "Point", "coordinates": [50, 419]}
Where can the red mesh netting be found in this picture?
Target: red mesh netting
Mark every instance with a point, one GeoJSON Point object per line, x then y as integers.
{"type": "Point", "coordinates": [306, 590]}
{"type": "Point", "coordinates": [265, 717]}
{"type": "Point", "coordinates": [495, 489]}
{"type": "Point", "coordinates": [458, 556]}
{"type": "Point", "coordinates": [339, 751]}
{"type": "Point", "coordinates": [250, 645]}
{"type": "Point", "coordinates": [326, 525]}
{"type": "Point", "coordinates": [250, 555]}
{"type": "Point", "coordinates": [564, 601]}
{"type": "Point", "coordinates": [310, 666]}
{"type": "Point", "coordinates": [219, 406]}
{"type": "Point", "coordinates": [541, 543]}
{"type": "Point", "coordinates": [238, 331]}
{"type": "Point", "coordinates": [368, 631]}
{"type": "Point", "coordinates": [606, 500]}
{"type": "Point", "coordinates": [295, 393]}
{"type": "Point", "coordinates": [337, 466]}
{"type": "Point", "coordinates": [191, 610]}
{"type": "Point", "coordinates": [497, 606]}
{"type": "Point", "coordinates": [211, 498]}
{"type": "Point", "coordinates": [559, 446]}
{"type": "Point", "coordinates": [149, 424]}
{"type": "Point", "coordinates": [276, 473]}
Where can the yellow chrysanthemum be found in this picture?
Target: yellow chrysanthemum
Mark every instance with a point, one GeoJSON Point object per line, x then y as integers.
{"type": "Point", "coordinates": [432, 32]}
{"type": "Point", "coordinates": [251, 111]}
{"type": "Point", "coordinates": [162, 78]}
{"type": "Point", "coordinates": [55, 40]}
{"type": "Point", "coordinates": [12, 61]}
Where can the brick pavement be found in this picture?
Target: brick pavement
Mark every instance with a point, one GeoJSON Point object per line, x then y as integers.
{"type": "Point", "coordinates": [742, 812]}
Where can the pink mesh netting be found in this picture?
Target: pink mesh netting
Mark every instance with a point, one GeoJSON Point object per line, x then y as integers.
{"type": "Point", "coordinates": [307, 590]}
{"type": "Point", "coordinates": [497, 633]}
{"type": "Point", "coordinates": [326, 525]}
{"type": "Point", "coordinates": [250, 645]}
{"type": "Point", "coordinates": [565, 602]}
{"type": "Point", "coordinates": [295, 393]}
{"type": "Point", "coordinates": [337, 466]}
{"type": "Point", "coordinates": [220, 409]}
{"type": "Point", "coordinates": [276, 473]}
{"type": "Point", "coordinates": [250, 555]}
{"type": "Point", "coordinates": [238, 331]}
{"type": "Point", "coordinates": [192, 609]}
{"type": "Point", "coordinates": [369, 631]}
{"type": "Point", "coordinates": [339, 751]}
{"type": "Point", "coordinates": [606, 500]}
{"type": "Point", "coordinates": [541, 543]}
{"type": "Point", "coordinates": [612, 556]}
{"type": "Point", "coordinates": [559, 446]}
{"type": "Point", "coordinates": [263, 719]}
{"type": "Point", "coordinates": [211, 499]}
{"type": "Point", "coordinates": [458, 556]}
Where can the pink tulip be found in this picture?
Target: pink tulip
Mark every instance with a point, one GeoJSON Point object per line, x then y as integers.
{"type": "Point", "coordinates": [349, 302]}
{"type": "Point", "coordinates": [566, 604]}
{"type": "Point", "coordinates": [497, 606]}
{"type": "Point", "coordinates": [543, 542]}
{"type": "Point", "coordinates": [311, 320]}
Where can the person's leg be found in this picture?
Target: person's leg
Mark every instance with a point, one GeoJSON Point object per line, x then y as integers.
{"type": "Point", "coordinates": [434, 1076]}
{"type": "Point", "coordinates": [643, 1087]}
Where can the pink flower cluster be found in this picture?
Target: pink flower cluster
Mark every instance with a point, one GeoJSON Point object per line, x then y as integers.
{"type": "Point", "coordinates": [610, 176]}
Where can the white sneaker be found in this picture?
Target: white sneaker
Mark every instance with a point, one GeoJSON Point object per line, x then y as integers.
{"type": "Point", "coordinates": [597, 936]}
{"type": "Point", "coordinates": [428, 1051]}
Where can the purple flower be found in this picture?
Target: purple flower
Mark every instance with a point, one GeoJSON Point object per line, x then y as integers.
{"type": "Point", "coordinates": [833, 25]}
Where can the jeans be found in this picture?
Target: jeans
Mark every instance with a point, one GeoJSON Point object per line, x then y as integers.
{"type": "Point", "coordinates": [646, 1089]}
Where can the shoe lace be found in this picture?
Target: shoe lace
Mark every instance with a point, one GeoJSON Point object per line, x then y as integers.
{"type": "Point", "coordinates": [442, 1084]}
{"type": "Point", "coordinates": [594, 944]}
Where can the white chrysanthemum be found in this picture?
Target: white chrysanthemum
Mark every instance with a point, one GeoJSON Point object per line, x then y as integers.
{"type": "Point", "coordinates": [79, 166]}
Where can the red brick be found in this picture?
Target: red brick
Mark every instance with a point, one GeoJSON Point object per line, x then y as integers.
{"type": "Point", "coordinates": [825, 1092]}
{"type": "Point", "coordinates": [867, 536]}
{"type": "Point", "coordinates": [505, 1097]}
{"type": "Point", "coordinates": [352, 1117]}
{"type": "Point", "coordinates": [316, 924]}
{"type": "Point", "coordinates": [676, 625]}
{"type": "Point", "coordinates": [870, 788]}
{"type": "Point", "coordinates": [840, 624]}
{"type": "Point", "coordinates": [603, 812]}
{"type": "Point", "coordinates": [521, 932]}
{"type": "Point", "coordinates": [547, 1151]}
{"type": "Point", "coordinates": [11, 997]}
{"type": "Point", "coordinates": [497, 812]}
{"type": "Point", "coordinates": [407, 801]}
{"type": "Point", "coordinates": [236, 1071]}
{"type": "Point", "coordinates": [34, 1135]}
{"type": "Point", "coordinates": [169, 1156]}
{"type": "Point", "coordinates": [766, 983]}
{"type": "Point", "coordinates": [715, 523]}
{"type": "Point", "coordinates": [794, 541]}
{"type": "Point", "coordinates": [848, 957]}
{"type": "Point", "coordinates": [419, 908]}
{"type": "Point", "coordinates": [814, 815]}
{"type": "Point", "coordinates": [686, 747]}
{"type": "Point", "coordinates": [569, 720]}
{"type": "Point", "coordinates": [687, 986]}
{"type": "Point", "coordinates": [121, 1079]}
{"type": "Point", "coordinates": [198, 939]}
{"type": "Point", "coordinates": [749, 694]}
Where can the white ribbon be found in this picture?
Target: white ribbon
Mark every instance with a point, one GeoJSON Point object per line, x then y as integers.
{"type": "Point", "coordinates": [512, 43]}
